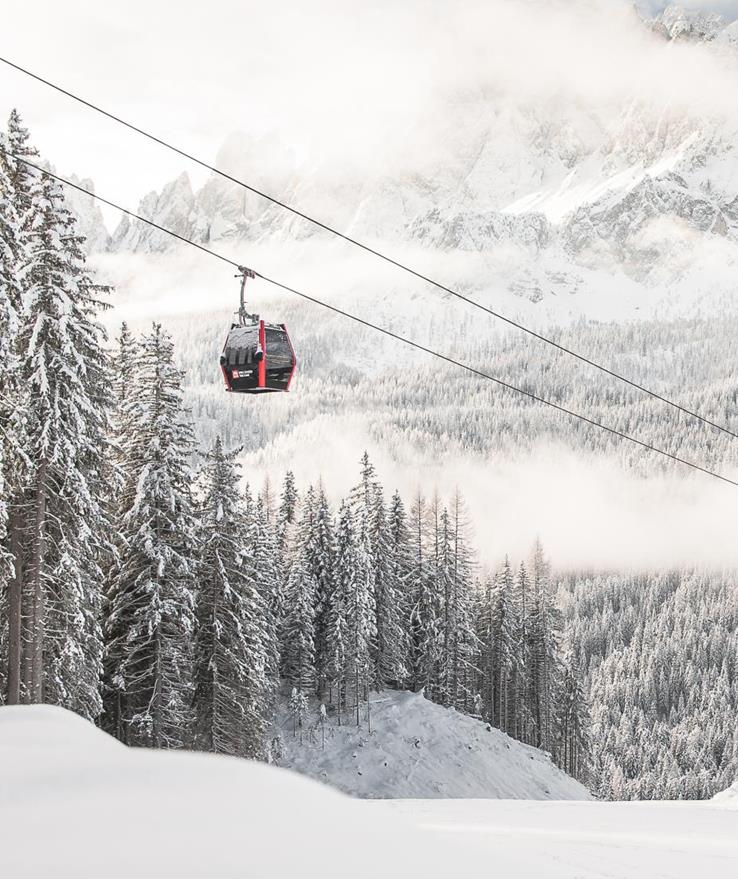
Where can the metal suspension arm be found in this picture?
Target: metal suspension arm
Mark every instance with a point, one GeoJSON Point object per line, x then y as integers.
{"type": "Point", "coordinates": [243, 274]}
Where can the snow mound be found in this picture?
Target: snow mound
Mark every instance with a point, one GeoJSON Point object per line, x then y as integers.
{"type": "Point", "coordinates": [101, 809]}
{"type": "Point", "coordinates": [417, 749]}
{"type": "Point", "coordinates": [727, 799]}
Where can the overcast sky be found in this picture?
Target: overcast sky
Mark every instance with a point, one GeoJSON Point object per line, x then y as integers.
{"type": "Point", "coordinates": [346, 83]}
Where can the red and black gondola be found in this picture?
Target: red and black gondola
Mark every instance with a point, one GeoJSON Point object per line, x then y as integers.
{"type": "Point", "coordinates": [258, 357]}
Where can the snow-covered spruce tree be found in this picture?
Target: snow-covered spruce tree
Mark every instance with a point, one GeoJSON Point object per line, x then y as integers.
{"type": "Point", "coordinates": [443, 690]}
{"type": "Point", "coordinates": [230, 700]}
{"type": "Point", "coordinates": [261, 548]}
{"type": "Point", "coordinates": [151, 625]}
{"type": "Point", "coordinates": [487, 664]}
{"type": "Point", "coordinates": [285, 535]}
{"type": "Point", "coordinates": [350, 628]}
{"type": "Point", "coordinates": [425, 625]}
{"type": "Point", "coordinates": [545, 664]}
{"type": "Point", "coordinates": [65, 375]}
{"type": "Point", "coordinates": [321, 553]}
{"type": "Point", "coordinates": [298, 627]}
{"type": "Point", "coordinates": [370, 518]}
{"type": "Point", "coordinates": [500, 651]}
{"type": "Point", "coordinates": [11, 450]}
{"type": "Point", "coordinates": [574, 734]}
{"type": "Point", "coordinates": [399, 561]}
{"type": "Point", "coordinates": [123, 421]}
{"type": "Point", "coordinates": [455, 590]}
{"type": "Point", "coordinates": [525, 731]}
{"type": "Point", "coordinates": [298, 709]}
{"type": "Point", "coordinates": [287, 512]}
{"type": "Point", "coordinates": [17, 185]}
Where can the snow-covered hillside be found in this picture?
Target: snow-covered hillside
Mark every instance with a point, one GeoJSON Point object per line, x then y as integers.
{"type": "Point", "coordinates": [418, 749]}
{"type": "Point", "coordinates": [74, 804]}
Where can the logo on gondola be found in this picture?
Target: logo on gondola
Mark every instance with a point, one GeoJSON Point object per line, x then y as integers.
{"type": "Point", "coordinates": [236, 374]}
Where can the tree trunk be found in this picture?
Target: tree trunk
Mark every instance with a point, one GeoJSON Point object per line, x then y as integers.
{"type": "Point", "coordinates": [15, 612]}
{"type": "Point", "coordinates": [39, 597]}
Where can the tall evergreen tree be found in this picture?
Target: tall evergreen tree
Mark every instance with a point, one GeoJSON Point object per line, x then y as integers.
{"type": "Point", "coordinates": [545, 670]}
{"type": "Point", "coordinates": [151, 621]}
{"type": "Point", "coordinates": [262, 550]}
{"type": "Point", "coordinates": [370, 518]}
{"type": "Point", "coordinates": [231, 689]}
{"type": "Point", "coordinates": [425, 624]}
{"type": "Point", "coordinates": [65, 376]}
{"type": "Point", "coordinates": [19, 184]}
{"type": "Point", "coordinates": [574, 745]}
{"type": "Point", "coordinates": [352, 621]}
{"type": "Point", "coordinates": [298, 631]}
{"type": "Point", "coordinates": [320, 557]}
{"type": "Point", "coordinates": [11, 428]}
{"type": "Point", "coordinates": [460, 639]}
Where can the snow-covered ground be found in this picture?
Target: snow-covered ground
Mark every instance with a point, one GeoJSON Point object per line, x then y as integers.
{"type": "Point", "coordinates": [74, 803]}
{"type": "Point", "coordinates": [421, 750]}
{"type": "Point", "coordinates": [648, 840]}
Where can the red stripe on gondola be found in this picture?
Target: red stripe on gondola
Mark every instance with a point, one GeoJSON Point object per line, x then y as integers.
{"type": "Point", "coordinates": [294, 359]}
{"type": "Point", "coordinates": [228, 385]}
{"type": "Point", "coordinates": [263, 361]}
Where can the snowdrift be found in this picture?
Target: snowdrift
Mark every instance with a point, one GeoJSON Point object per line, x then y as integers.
{"type": "Point", "coordinates": [74, 804]}
{"type": "Point", "coordinates": [418, 749]}
{"type": "Point", "coordinates": [727, 799]}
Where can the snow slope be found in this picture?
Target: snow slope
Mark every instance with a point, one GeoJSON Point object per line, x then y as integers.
{"type": "Point", "coordinates": [74, 803]}
{"type": "Point", "coordinates": [419, 749]}
{"type": "Point", "coordinates": [728, 799]}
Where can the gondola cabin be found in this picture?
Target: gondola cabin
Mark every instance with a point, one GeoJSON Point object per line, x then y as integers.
{"type": "Point", "coordinates": [257, 358]}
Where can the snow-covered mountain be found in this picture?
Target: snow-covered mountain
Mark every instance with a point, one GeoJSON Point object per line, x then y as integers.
{"type": "Point", "coordinates": [677, 23]}
{"type": "Point", "coordinates": [537, 193]}
{"type": "Point", "coordinates": [588, 190]}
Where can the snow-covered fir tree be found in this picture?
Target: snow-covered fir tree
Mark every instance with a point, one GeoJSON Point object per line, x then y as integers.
{"type": "Point", "coordinates": [231, 698]}
{"type": "Point", "coordinates": [320, 557]}
{"type": "Point", "coordinates": [151, 623]}
{"type": "Point", "coordinates": [11, 426]}
{"type": "Point", "coordinates": [261, 547]}
{"type": "Point", "coordinates": [298, 625]}
{"type": "Point", "coordinates": [425, 623]}
{"type": "Point", "coordinates": [390, 652]}
{"type": "Point", "coordinates": [65, 376]}
{"type": "Point", "coordinates": [545, 663]}
{"type": "Point", "coordinates": [499, 630]}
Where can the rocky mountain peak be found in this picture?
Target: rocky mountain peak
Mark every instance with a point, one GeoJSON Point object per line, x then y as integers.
{"type": "Point", "coordinates": [676, 23]}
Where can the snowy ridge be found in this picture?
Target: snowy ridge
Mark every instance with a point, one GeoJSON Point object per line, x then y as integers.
{"type": "Point", "coordinates": [418, 749]}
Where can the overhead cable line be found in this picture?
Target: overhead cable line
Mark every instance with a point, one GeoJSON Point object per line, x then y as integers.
{"type": "Point", "coordinates": [373, 251]}
{"type": "Point", "coordinates": [389, 333]}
